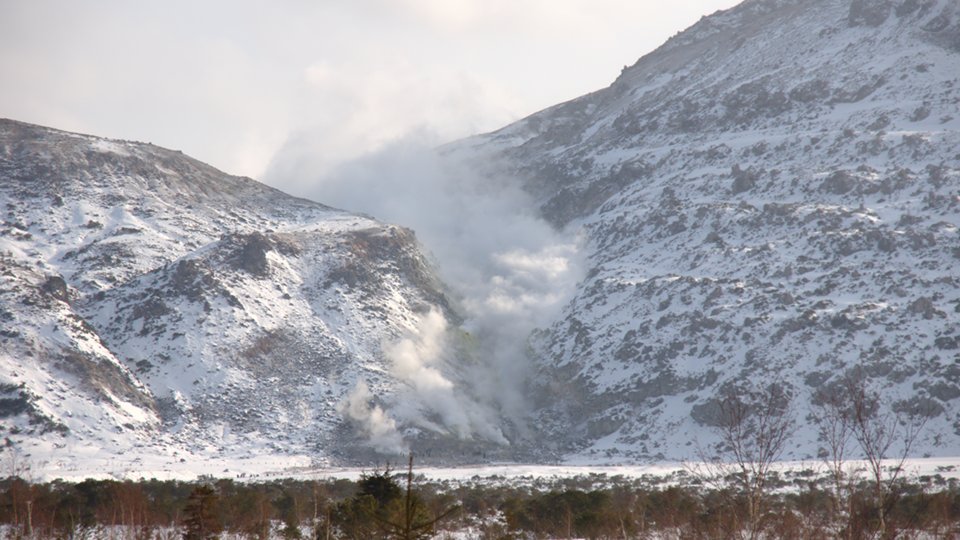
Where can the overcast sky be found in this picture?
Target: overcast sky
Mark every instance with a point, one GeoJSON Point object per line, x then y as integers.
{"type": "Point", "coordinates": [231, 81]}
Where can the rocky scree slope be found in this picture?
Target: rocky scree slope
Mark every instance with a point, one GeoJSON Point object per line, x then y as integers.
{"type": "Point", "coordinates": [152, 304]}
{"type": "Point", "coordinates": [772, 197]}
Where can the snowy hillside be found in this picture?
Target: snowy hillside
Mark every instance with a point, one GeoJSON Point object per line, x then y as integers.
{"type": "Point", "coordinates": [154, 306]}
{"type": "Point", "coordinates": [771, 197]}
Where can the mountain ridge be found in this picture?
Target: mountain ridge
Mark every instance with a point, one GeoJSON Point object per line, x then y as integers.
{"type": "Point", "coordinates": [769, 198]}
{"type": "Point", "coordinates": [158, 307]}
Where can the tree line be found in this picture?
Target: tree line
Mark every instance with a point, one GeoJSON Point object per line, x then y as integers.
{"type": "Point", "coordinates": [732, 491]}
{"type": "Point", "coordinates": [382, 504]}
{"type": "Point", "coordinates": [754, 425]}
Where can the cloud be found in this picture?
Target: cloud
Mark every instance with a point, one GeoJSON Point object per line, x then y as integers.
{"type": "Point", "coordinates": [231, 82]}
{"type": "Point", "coordinates": [355, 108]}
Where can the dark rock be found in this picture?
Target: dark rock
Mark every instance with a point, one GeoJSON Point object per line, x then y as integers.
{"type": "Point", "coordinates": [56, 287]}
{"type": "Point", "coordinates": [839, 182]}
{"type": "Point", "coordinates": [708, 413]}
{"type": "Point", "coordinates": [947, 343]}
{"type": "Point", "coordinates": [925, 307]}
{"type": "Point", "coordinates": [868, 12]}
{"type": "Point", "coordinates": [252, 255]}
{"type": "Point", "coordinates": [811, 91]}
{"type": "Point", "coordinates": [919, 407]}
{"type": "Point", "coordinates": [943, 391]}
{"type": "Point", "coordinates": [743, 180]}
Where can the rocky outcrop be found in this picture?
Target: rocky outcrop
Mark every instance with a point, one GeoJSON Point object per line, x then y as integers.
{"type": "Point", "coordinates": [767, 201]}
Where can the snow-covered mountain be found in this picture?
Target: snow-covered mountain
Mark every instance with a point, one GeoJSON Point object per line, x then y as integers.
{"type": "Point", "coordinates": [771, 197]}
{"type": "Point", "coordinates": [152, 305]}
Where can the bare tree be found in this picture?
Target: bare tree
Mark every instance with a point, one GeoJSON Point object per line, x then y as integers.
{"type": "Point", "coordinates": [754, 427]}
{"type": "Point", "coordinates": [832, 415]}
{"type": "Point", "coordinates": [878, 434]}
{"type": "Point", "coordinates": [17, 468]}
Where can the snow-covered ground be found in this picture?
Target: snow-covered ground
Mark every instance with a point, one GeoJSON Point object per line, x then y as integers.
{"type": "Point", "coordinates": [668, 472]}
{"type": "Point", "coordinates": [249, 465]}
{"type": "Point", "coordinates": [770, 200]}
{"type": "Point", "coordinates": [155, 309]}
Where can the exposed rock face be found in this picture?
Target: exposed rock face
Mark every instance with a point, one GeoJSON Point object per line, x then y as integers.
{"type": "Point", "coordinates": [770, 197]}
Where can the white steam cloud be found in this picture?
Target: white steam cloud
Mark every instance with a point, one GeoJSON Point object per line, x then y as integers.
{"type": "Point", "coordinates": [418, 360]}
{"type": "Point", "coordinates": [510, 270]}
{"type": "Point", "coordinates": [375, 424]}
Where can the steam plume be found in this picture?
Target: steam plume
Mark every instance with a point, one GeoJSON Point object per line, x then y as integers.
{"type": "Point", "coordinates": [510, 269]}
{"type": "Point", "coordinates": [376, 425]}
{"type": "Point", "coordinates": [418, 360]}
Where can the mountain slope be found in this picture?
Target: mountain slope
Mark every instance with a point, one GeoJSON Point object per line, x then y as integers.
{"type": "Point", "coordinates": [153, 305]}
{"type": "Point", "coordinates": [771, 197]}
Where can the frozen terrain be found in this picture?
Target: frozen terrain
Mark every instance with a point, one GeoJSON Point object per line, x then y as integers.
{"type": "Point", "coordinates": [154, 306]}
{"type": "Point", "coordinates": [771, 198]}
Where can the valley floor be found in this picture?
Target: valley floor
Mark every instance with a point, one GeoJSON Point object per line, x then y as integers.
{"type": "Point", "coordinates": [74, 464]}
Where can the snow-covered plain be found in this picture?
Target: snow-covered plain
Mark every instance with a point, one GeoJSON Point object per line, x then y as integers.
{"type": "Point", "coordinates": [254, 466]}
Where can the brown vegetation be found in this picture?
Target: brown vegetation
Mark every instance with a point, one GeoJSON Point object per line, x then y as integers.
{"type": "Point", "coordinates": [376, 506]}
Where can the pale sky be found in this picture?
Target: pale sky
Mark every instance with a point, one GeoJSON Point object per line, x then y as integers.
{"type": "Point", "coordinates": [230, 82]}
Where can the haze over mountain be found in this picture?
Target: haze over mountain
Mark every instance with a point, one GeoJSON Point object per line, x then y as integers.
{"type": "Point", "coordinates": [770, 198]}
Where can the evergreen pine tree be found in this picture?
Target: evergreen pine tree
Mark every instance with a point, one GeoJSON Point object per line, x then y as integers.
{"type": "Point", "coordinates": [200, 515]}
